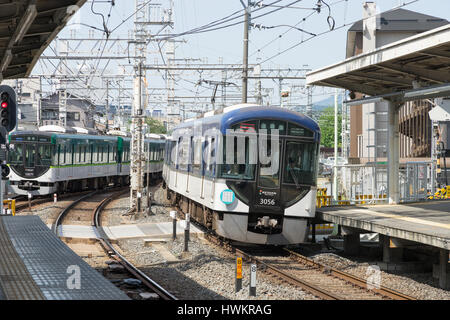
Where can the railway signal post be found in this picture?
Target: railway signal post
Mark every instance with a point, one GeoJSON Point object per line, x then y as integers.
{"type": "Point", "coordinates": [8, 121]}
{"type": "Point", "coordinates": [173, 215]}
{"type": "Point", "coordinates": [186, 232]}
{"type": "Point", "coordinates": [252, 292]}
{"type": "Point", "coordinates": [238, 274]}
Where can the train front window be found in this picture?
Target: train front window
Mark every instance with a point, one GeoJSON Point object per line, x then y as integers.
{"type": "Point", "coordinates": [242, 166]}
{"type": "Point", "coordinates": [300, 163]}
{"type": "Point", "coordinates": [269, 170]}
{"type": "Point", "coordinates": [16, 154]}
{"type": "Point", "coordinates": [30, 153]}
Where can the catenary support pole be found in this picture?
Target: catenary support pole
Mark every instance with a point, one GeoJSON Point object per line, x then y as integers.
{"type": "Point", "coordinates": [245, 55]}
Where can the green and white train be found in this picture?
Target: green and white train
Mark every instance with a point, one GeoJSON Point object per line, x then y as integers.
{"type": "Point", "coordinates": [46, 162]}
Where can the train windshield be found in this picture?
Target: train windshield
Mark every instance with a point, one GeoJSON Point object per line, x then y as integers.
{"type": "Point", "coordinates": [269, 176]}
{"type": "Point", "coordinates": [16, 154]}
{"type": "Point", "coordinates": [241, 166]}
{"type": "Point", "coordinates": [300, 163]}
{"type": "Point", "coordinates": [31, 155]}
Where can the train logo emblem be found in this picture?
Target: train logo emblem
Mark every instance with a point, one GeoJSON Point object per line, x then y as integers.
{"type": "Point", "coordinates": [227, 196]}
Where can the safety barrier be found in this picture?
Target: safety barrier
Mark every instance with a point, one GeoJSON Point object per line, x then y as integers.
{"type": "Point", "coordinates": [9, 206]}
{"type": "Point", "coordinates": [443, 193]}
{"type": "Point", "coordinates": [324, 200]}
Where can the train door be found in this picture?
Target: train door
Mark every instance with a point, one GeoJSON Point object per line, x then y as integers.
{"type": "Point", "coordinates": [189, 161]}
{"type": "Point", "coordinates": [29, 160]}
{"type": "Point", "coordinates": [202, 167]}
{"type": "Point", "coordinates": [57, 161]}
{"type": "Point", "coordinates": [267, 198]}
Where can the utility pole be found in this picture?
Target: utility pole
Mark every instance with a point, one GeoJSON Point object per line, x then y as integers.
{"type": "Point", "coordinates": [137, 155]}
{"type": "Point", "coordinates": [245, 59]}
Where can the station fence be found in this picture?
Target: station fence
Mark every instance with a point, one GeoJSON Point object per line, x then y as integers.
{"type": "Point", "coordinates": [368, 184]}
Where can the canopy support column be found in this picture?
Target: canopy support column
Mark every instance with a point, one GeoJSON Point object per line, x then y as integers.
{"type": "Point", "coordinates": [394, 153]}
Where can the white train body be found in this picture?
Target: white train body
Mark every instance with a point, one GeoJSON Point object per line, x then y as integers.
{"type": "Point", "coordinates": [43, 162]}
{"type": "Point", "coordinates": [247, 207]}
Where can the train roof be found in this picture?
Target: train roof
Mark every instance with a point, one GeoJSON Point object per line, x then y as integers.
{"type": "Point", "coordinates": [241, 113]}
{"type": "Point", "coordinates": [81, 136]}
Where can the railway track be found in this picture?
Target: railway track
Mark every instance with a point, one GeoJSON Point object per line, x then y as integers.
{"type": "Point", "coordinates": [76, 212]}
{"type": "Point", "coordinates": [24, 204]}
{"type": "Point", "coordinates": [347, 277]}
{"type": "Point", "coordinates": [114, 254]}
{"type": "Point", "coordinates": [322, 281]}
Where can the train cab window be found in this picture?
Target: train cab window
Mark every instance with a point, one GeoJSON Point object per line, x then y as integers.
{"type": "Point", "coordinates": [243, 165]}
{"type": "Point", "coordinates": [269, 126]}
{"type": "Point", "coordinates": [269, 169]}
{"type": "Point", "coordinates": [300, 163]}
{"type": "Point", "coordinates": [16, 154]}
{"type": "Point", "coordinates": [30, 153]}
{"type": "Point", "coordinates": [297, 131]}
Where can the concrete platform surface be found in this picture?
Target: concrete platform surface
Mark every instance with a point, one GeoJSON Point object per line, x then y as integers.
{"type": "Point", "coordinates": [126, 231]}
{"type": "Point", "coordinates": [424, 222]}
{"type": "Point", "coordinates": [36, 264]}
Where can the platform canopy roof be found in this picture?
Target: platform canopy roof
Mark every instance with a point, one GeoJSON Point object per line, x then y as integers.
{"type": "Point", "coordinates": [422, 60]}
{"type": "Point", "coordinates": [26, 28]}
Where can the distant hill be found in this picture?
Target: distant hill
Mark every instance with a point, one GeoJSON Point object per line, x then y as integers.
{"type": "Point", "coordinates": [325, 103]}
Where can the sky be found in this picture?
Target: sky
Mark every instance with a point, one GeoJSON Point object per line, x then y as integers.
{"type": "Point", "coordinates": [269, 46]}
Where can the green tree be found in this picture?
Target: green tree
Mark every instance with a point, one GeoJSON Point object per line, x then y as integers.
{"type": "Point", "coordinates": [156, 126]}
{"type": "Point", "coordinates": [326, 123]}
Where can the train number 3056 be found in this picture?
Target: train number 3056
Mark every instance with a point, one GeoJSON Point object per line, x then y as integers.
{"type": "Point", "coordinates": [267, 202]}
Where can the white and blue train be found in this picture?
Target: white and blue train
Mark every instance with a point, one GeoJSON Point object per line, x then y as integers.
{"type": "Point", "coordinates": [43, 163]}
{"type": "Point", "coordinates": [246, 201]}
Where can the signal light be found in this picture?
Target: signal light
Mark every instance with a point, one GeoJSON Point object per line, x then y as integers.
{"type": "Point", "coordinates": [8, 112]}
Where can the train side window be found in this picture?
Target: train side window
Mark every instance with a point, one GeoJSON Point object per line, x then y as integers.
{"type": "Point", "coordinates": [182, 149]}
{"type": "Point", "coordinates": [211, 155]}
{"type": "Point", "coordinates": [80, 150]}
{"type": "Point", "coordinates": [197, 155]}
{"type": "Point", "coordinates": [55, 161]}
{"type": "Point", "coordinates": [94, 154]}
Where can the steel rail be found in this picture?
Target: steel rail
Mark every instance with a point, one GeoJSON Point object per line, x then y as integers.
{"type": "Point", "coordinates": [63, 213]}
{"type": "Point", "coordinates": [113, 253]}
{"type": "Point", "coordinates": [309, 287]}
{"type": "Point", "coordinates": [23, 204]}
{"type": "Point", "coordinates": [384, 291]}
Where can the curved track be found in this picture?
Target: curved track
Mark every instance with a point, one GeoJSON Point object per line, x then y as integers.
{"type": "Point", "coordinates": [114, 254]}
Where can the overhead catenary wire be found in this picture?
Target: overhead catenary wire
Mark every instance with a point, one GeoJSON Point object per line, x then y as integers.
{"type": "Point", "coordinates": [330, 30]}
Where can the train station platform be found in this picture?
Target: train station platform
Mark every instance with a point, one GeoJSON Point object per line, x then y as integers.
{"type": "Point", "coordinates": [37, 265]}
{"type": "Point", "coordinates": [126, 231]}
{"type": "Point", "coordinates": [424, 223]}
